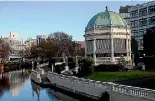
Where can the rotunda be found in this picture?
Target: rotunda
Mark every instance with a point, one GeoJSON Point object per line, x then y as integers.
{"type": "Point", "coordinates": [107, 37]}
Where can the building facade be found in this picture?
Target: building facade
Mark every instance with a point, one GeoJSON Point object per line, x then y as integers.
{"type": "Point", "coordinates": [79, 48]}
{"type": "Point", "coordinates": [107, 38]}
{"type": "Point", "coordinates": [124, 13]}
{"type": "Point", "coordinates": [29, 42]}
{"type": "Point", "coordinates": [16, 45]}
{"type": "Point", "coordinates": [142, 16]}
{"type": "Point", "coordinates": [40, 38]}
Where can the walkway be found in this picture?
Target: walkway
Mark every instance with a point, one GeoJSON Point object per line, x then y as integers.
{"type": "Point", "coordinates": [95, 89]}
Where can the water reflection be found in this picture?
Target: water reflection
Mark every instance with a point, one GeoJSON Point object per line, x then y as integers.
{"type": "Point", "coordinates": [36, 89]}
{"type": "Point", "coordinates": [17, 86]}
{"type": "Point", "coordinates": [13, 82]}
{"type": "Point", "coordinates": [16, 81]}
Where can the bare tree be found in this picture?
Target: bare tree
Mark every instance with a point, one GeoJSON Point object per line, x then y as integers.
{"type": "Point", "coordinates": [4, 49]}
{"type": "Point", "coordinates": [63, 41]}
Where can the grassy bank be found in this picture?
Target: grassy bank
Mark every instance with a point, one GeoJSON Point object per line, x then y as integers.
{"type": "Point", "coordinates": [119, 76]}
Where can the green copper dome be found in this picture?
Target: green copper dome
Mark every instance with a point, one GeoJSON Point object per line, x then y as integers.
{"type": "Point", "coordinates": [106, 18]}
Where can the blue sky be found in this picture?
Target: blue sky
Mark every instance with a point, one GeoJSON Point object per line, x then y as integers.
{"type": "Point", "coordinates": [29, 18]}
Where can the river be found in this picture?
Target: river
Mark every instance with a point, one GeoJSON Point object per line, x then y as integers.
{"type": "Point", "coordinates": [17, 86]}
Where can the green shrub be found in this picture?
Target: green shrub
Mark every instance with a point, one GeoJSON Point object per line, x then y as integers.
{"type": "Point", "coordinates": [85, 65]}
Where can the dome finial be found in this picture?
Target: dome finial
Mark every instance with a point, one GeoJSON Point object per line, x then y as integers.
{"type": "Point", "coordinates": [106, 8]}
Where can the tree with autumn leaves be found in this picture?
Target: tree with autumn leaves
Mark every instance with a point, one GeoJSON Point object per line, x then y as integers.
{"type": "Point", "coordinates": [55, 45]}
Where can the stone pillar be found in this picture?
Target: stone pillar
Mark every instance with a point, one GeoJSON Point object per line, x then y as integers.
{"type": "Point", "coordinates": [66, 67]}
{"type": "Point", "coordinates": [112, 49]}
{"type": "Point", "coordinates": [32, 66]}
{"type": "Point", "coordinates": [64, 57]}
{"type": "Point", "coordinates": [52, 68]}
{"type": "Point", "coordinates": [127, 46]}
{"type": "Point", "coordinates": [38, 65]}
{"type": "Point", "coordinates": [77, 65]}
{"type": "Point", "coordinates": [94, 51]}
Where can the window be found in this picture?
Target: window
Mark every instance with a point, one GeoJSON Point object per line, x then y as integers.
{"type": "Point", "coordinates": [152, 20]}
{"type": "Point", "coordinates": [151, 9]}
{"type": "Point", "coordinates": [135, 32]}
{"type": "Point", "coordinates": [134, 14]}
{"type": "Point", "coordinates": [141, 32]}
{"type": "Point", "coordinates": [134, 23]}
{"type": "Point", "coordinates": [143, 22]}
{"type": "Point", "coordinates": [143, 12]}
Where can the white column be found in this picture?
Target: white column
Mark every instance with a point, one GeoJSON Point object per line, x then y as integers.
{"type": "Point", "coordinates": [63, 57]}
{"type": "Point", "coordinates": [66, 67]}
{"type": "Point", "coordinates": [77, 65]}
{"type": "Point", "coordinates": [112, 49]}
{"type": "Point", "coordinates": [52, 67]}
{"type": "Point", "coordinates": [94, 50]}
{"type": "Point", "coordinates": [32, 66]}
{"type": "Point", "coordinates": [38, 66]}
{"type": "Point", "coordinates": [127, 47]}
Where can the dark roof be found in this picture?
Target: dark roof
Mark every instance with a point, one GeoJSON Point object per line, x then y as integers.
{"type": "Point", "coordinates": [124, 9]}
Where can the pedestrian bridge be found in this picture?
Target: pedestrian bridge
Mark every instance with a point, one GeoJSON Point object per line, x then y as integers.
{"type": "Point", "coordinates": [96, 89]}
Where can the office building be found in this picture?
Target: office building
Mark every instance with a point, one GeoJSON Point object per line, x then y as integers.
{"type": "Point", "coordinates": [124, 13]}
{"type": "Point", "coordinates": [40, 38]}
{"type": "Point", "coordinates": [142, 16]}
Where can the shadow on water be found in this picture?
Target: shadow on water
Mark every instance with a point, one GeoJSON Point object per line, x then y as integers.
{"type": "Point", "coordinates": [105, 97]}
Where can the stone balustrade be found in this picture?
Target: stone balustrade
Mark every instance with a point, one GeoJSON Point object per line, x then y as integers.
{"type": "Point", "coordinates": [134, 91]}
{"type": "Point", "coordinates": [42, 65]}
{"type": "Point", "coordinates": [97, 88]}
{"type": "Point", "coordinates": [79, 85]}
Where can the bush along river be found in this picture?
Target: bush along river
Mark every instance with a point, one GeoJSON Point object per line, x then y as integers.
{"type": "Point", "coordinates": [17, 86]}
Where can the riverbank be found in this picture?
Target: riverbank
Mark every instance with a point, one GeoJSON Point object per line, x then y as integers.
{"type": "Point", "coordinates": [13, 66]}
{"type": "Point", "coordinates": [119, 76]}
